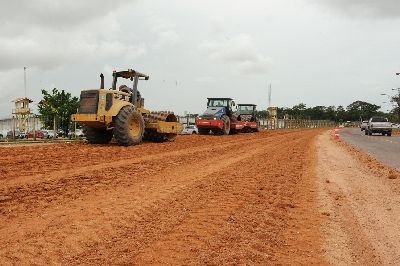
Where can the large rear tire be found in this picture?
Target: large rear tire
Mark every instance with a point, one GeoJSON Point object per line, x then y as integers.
{"type": "Point", "coordinates": [258, 127]}
{"type": "Point", "coordinates": [389, 134]}
{"type": "Point", "coordinates": [227, 124]}
{"type": "Point", "coordinates": [227, 127]}
{"type": "Point", "coordinates": [234, 132]}
{"type": "Point", "coordinates": [97, 136]}
{"type": "Point", "coordinates": [129, 126]}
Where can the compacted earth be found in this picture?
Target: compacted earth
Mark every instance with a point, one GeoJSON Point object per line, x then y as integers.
{"type": "Point", "coordinates": [287, 197]}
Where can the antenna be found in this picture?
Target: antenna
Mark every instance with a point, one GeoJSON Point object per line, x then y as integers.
{"type": "Point", "coordinates": [25, 80]}
{"type": "Point", "coordinates": [269, 95]}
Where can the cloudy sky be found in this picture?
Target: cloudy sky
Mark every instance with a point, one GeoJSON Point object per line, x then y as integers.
{"type": "Point", "coordinates": [320, 52]}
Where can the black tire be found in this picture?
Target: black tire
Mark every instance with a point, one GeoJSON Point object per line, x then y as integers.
{"type": "Point", "coordinates": [258, 127]}
{"type": "Point", "coordinates": [129, 126]}
{"type": "Point", "coordinates": [234, 132]}
{"type": "Point", "coordinates": [366, 132]}
{"type": "Point", "coordinates": [227, 127]}
{"type": "Point", "coordinates": [389, 134]}
{"type": "Point", "coordinates": [203, 131]}
{"type": "Point", "coordinates": [194, 133]}
{"type": "Point", "coordinates": [370, 132]}
{"type": "Point", "coordinates": [97, 135]}
{"type": "Point", "coordinates": [217, 131]}
{"type": "Point", "coordinates": [154, 136]}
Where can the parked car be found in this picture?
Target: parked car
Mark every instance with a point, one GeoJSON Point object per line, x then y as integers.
{"type": "Point", "coordinates": [60, 133]}
{"type": "Point", "coordinates": [39, 134]}
{"type": "Point", "coordinates": [191, 129]}
{"type": "Point", "coordinates": [18, 135]}
{"type": "Point", "coordinates": [364, 125]}
{"type": "Point", "coordinates": [77, 134]}
{"type": "Point", "coordinates": [49, 134]}
{"type": "Point", "coordinates": [378, 124]}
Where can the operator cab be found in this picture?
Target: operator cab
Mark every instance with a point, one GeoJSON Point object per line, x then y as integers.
{"type": "Point", "coordinates": [134, 95]}
{"type": "Point", "coordinates": [228, 103]}
{"type": "Point", "coordinates": [246, 108]}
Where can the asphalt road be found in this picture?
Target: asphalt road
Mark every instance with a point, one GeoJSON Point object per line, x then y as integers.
{"type": "Point", "coordinates": [385, 149]}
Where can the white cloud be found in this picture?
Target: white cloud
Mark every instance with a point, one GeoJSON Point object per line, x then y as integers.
{"type": "Point", "coordinates": [164, 32]}
{"type": "Point", "coordinates": [207, 79]}
{"type": "Point", "coordinates": [47, 34]}
{"type": "Point", "coordinates": [364, 8]}
{"type": "Point", "coordinates": [240, 51]}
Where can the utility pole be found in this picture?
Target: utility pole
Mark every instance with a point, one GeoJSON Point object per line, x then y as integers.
{"type": "Point", "coordinates": [54, 127]}
{"type": "Point", "coordinates": [25, 80]}
{"type": "Point", "coordinates": [398, 100]}
{"type": "Point", "coordinates": [34, 127]}
{"type": "Point", "coordinates": [269, 94]}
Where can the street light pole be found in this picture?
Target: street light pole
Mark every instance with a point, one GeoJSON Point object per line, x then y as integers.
{"type": "Point", "coordinates": [396, 99]}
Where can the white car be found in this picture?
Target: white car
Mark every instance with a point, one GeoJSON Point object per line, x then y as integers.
{"type": "Point", "coordinates": [191, 129]}
{"type": "Point", "coordinates": [77, 134]}
{"type": "Point", "coordinates": [49, 134]}
{"type": "Point", "coordinates": [364, 125]}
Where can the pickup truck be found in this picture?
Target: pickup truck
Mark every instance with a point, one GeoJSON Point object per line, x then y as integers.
{"type": "Point", "coordinates": [378, 124]}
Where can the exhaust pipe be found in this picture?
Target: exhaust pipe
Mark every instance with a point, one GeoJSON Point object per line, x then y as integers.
{"type": "Point", "coordinates": [102, 81]}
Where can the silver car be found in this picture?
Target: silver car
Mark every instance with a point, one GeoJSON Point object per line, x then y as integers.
{"type": "Point", "coordinates": [189, 130]}
{"type": "Point", "coordinates": [378, 124]}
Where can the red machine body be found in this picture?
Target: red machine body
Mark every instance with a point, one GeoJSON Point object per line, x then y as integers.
{"type": "Point", "coordinates": [248, 117]}
{"type": "Point", "coordinates": [221, 118]}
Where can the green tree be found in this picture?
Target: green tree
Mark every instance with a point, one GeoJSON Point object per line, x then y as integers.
{"type": "Point", "coordinates": [317, 113]}
{"type": "Point", "coordinates": [262, 114]}
{"type": "Point", "coordinates": [340, 114]}
{"type": "Point", "coordinates": [299, 111]}
{"type": "Point", "coordinates": [360, 110]}
{"type": "Point", "coordinates": [330, 113]}
{"type": "Point", "coordinates": [59, 105]}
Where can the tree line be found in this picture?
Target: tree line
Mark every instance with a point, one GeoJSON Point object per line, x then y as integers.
{"type": "Point", "coordinates": [356, 111]}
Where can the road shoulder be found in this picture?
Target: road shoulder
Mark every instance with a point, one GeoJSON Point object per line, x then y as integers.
{"type": "Point", "coordinates": [360, 204]}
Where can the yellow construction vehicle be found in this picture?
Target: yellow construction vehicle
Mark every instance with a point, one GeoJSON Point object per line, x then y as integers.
{"type": "Point", "coordinates": [105, 113]}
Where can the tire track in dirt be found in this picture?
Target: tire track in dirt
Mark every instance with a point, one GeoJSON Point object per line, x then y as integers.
{"type": "Point", "coordinates": [40, 160]}
{"type": "Point", "coordinates": [229, 213]}
{"type": "Point", "coordinates": [141, 158]}
{"type": "Point", "coordinates": [211, 225]}
{"type": "Point", "coordinates": [144, 200]}
{"type": "Point", "coordinates": [42, 190]}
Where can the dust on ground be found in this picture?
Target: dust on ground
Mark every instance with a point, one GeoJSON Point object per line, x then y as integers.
{"type": "Point", "coordinates": [242, 199]}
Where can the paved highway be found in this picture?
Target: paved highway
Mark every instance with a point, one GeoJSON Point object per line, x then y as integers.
{"type": "Point", "coordinates": [385, 149]}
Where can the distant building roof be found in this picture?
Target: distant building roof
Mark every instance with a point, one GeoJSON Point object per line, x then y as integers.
{"type": "Point", "coordinates": [18, 100]}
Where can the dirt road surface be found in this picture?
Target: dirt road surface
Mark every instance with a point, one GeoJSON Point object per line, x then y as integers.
{"type": "Point", "coordinates": [247, 198]}
{"type": "Point", "coordinates": [293, 197]}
